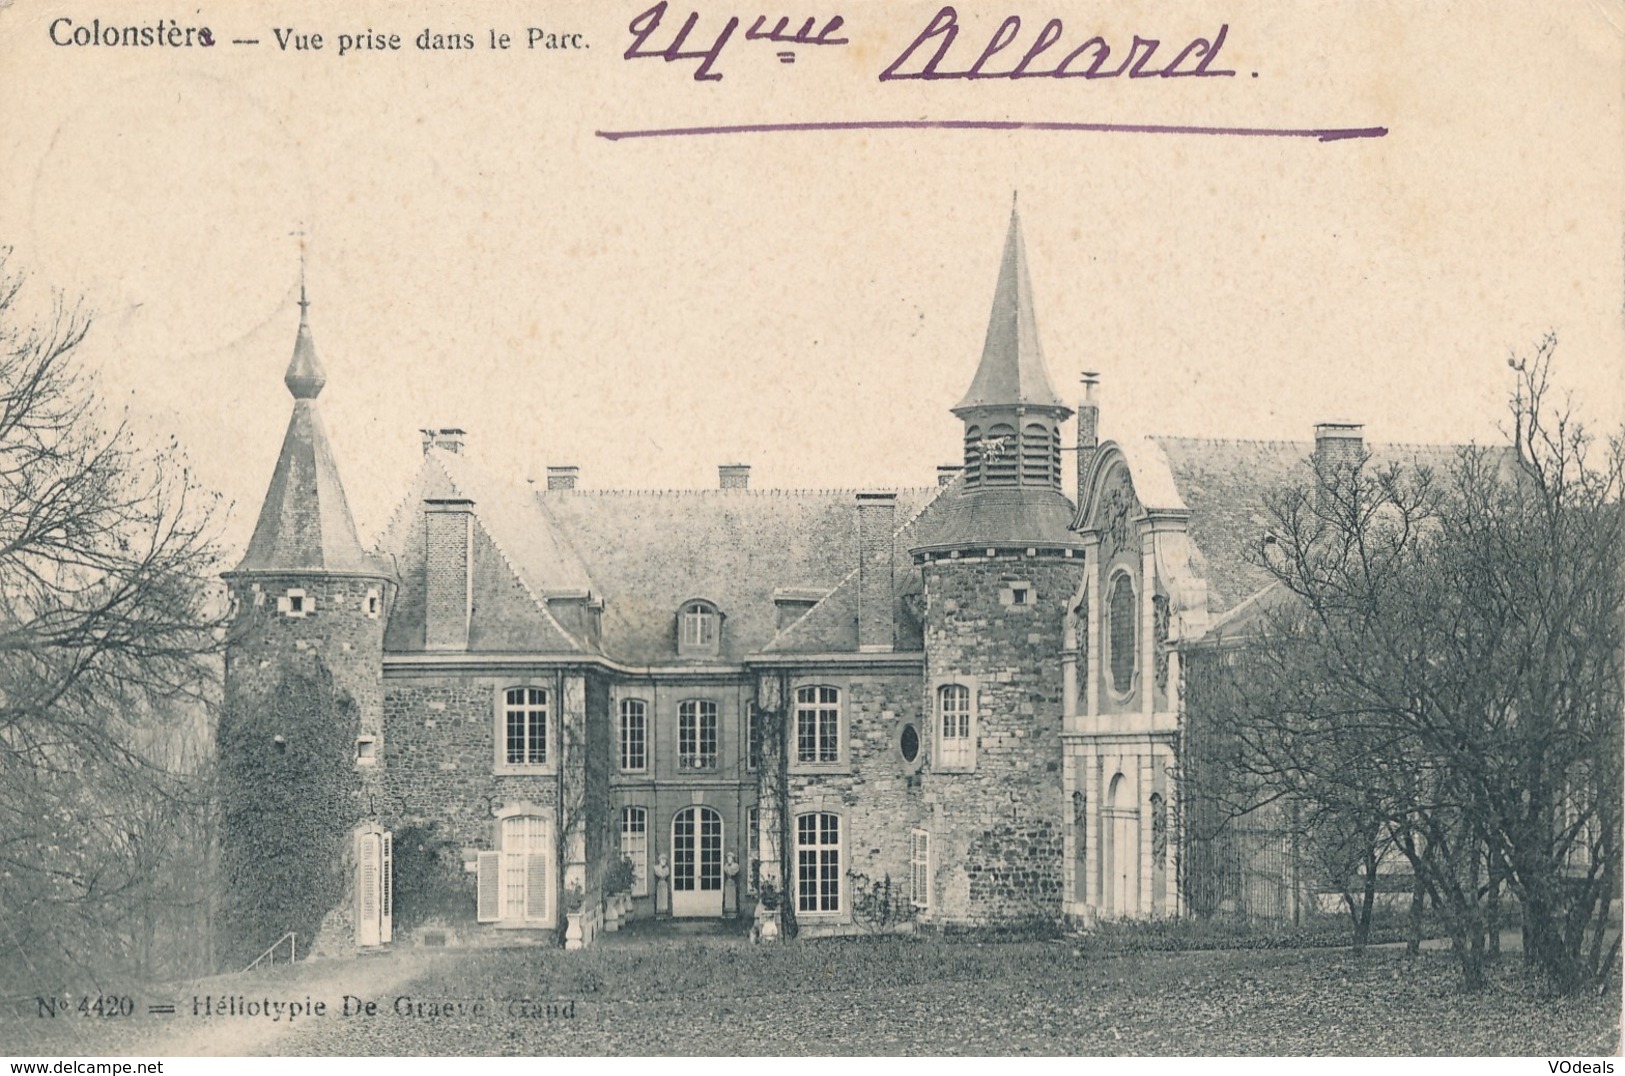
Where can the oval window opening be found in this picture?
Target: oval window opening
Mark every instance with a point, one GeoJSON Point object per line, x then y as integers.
{"type": "Point", "coordinates": [910, 743]}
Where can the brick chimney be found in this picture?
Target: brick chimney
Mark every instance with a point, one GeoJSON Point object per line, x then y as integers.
{"type": "Point", "coordinates": [734, 475]}
{"type": "Point", "coordinates": [947, 472]}
{"type": "Point", "coordinates": [448, 572]}
{"type": "Point", "coordinates": [1339, 449]}
{"type": "Point", "coordinates": [877, 520]}
{"type": "Point", "coordinates": [449, 439]}
{"type": "Point", "coordinates": [1088, 428]}
{"type": "Point", "coordinates": [562, 476]}
{"type": "Point", "coordinates": [1338, 446]}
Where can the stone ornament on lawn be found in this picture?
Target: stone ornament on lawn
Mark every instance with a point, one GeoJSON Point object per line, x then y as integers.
{"type": "Point", "coordinates": [662, 874]}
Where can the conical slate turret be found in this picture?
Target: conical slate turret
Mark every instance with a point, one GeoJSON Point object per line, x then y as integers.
{"type": "Point", "coordinates": [1012, 370]}
{"type": "Point", "coordinates": [305, 522]}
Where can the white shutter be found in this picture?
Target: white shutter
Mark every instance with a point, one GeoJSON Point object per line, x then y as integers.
{"type": "Point", "coordinates": [488, 887]}
{"type": "Point", "coordinates": [919, 857]}
{"type": "Point", "coordinates": [386, 887]}
{"type": "Point", "coordinates": [536, 886]}
{"type": "Point", "coordinates": [366, 889]}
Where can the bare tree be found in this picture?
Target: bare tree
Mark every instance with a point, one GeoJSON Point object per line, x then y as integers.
{"type": "Point", "coordinates": [1445, 659]}
{"type": "Point", "coordinates": [107, 643]}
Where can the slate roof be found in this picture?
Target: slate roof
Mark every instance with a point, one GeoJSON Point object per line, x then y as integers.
{"type": "Point", "coordinates": [1012, 369]}
{"type": "Point", "coordinates": [1226, 485]}
{"type": "Point", "coordinates": [649, 552]}
{"type": "Point", "coordinates": [1017, 516]}
{"type": "Point", "coordinates": [642, 553]}
{"type": "Point", "coordinates": [305, 523]}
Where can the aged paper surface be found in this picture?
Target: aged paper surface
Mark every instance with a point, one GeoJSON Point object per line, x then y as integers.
{"type": "Point", "coordinates": [536, 225]}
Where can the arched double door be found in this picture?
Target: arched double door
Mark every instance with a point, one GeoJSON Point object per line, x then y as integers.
{"type": "Point", "coordinates": [696, 862]}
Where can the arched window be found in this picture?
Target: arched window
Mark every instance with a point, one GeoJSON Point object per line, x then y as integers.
{"type": "Point", "coordinates": [1121, 629]}
{"type": "Point", "coordinates": [1000, 456]}
{"type": "Point", "coordinates": [635, 847]}
{"type": "Point", "coordinates": [1159, 831]}
{"type": "Point", "coordinates": [1035, 456]}
{"type": "Point", "coordinates": [697, 734]}
{"type": "Point", "coordinates": [818, 863]}
{"type": "Point", "coordinates": [634, 736]}
{"type": "Point", "coordinates": [973, 456]}
{"type": "Point", "coordinates": [818, 725]}
{"type": "Point", "coordinates": [955, 742]}
{"type": "Point", "coordinates": [524, 724]}
{"type": "Point", "coordinates": [699, 628]}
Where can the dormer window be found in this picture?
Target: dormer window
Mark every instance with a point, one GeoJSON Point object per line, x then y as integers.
{"type": "Point", "coordinates": [699, 629]}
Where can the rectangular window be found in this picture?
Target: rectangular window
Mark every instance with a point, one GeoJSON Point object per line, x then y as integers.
{"type": "Point", "coordinates": [955, 747]}
{"type": "Point", "coordinates": [919, 868]}
{"type": "Point", "coordinates": [525, 719]}
{"type": "Point", "coordinates": [753, 739]}
{"type": "Point", "coordinates": [633, 730]}
{"type": "Point", "coordinates": [753, 834]}
{"type": "Point", "coordinates": [818, 863]}
{"type": "Point", "coordinates": [635, 847]}
{"type": "Point", "coordinates": [697, 734]}
{"type": "Point", "coordinates": [524, 874]}
{"type": "Point", "coordinates": [818, 725]}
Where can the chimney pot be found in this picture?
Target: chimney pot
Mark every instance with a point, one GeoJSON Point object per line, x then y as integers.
{"type": "Point", "coordinates": [450, 439]}
{"type": "Point", "coordinates": [734, 475]}
{"type": "Point", "coordinates": [562, 476]}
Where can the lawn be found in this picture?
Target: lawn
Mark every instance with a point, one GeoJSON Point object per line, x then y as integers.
{"type": "Point", "coordinates": [905, 996]}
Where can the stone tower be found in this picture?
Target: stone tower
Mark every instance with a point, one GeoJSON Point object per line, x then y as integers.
{"type": "Point", "coordinates": [301, 727]}
{"type": "Point", "coordinates": [1000, 569]}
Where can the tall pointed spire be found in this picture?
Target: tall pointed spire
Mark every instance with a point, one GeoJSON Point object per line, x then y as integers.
{"type": "Point", "coordinates": [1012, 372]}
{"type": "Point", "coordinates": [305, 523]}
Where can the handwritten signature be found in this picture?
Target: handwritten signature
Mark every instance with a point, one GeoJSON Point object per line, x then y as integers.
{"type": "Point", "coordinates": [1087, 60]}
{"type": "Point", "coordinates": [1091, 60]}
{"type": "Point", "coordinates": [644, 26]}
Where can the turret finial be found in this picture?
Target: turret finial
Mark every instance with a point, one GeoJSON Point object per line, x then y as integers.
{"type": "Point", "coordinates": [305, 376]}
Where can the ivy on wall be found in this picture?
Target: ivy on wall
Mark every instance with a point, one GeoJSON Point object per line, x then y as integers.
{"type": "Point", "coordinates": [430, 882]}
{"type": "Point", "coordinates": [289, 801]}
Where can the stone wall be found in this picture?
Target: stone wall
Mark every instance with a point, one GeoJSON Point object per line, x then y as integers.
{"type": "Point", "coordinates": [876, 793]}
{"type": "Point", "coordinates": [996, 827]}
{"type": "Point", "coordinates": [338, 628]}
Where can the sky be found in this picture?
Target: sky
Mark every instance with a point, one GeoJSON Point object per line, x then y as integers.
{"type": "Point", "coordinates": [810, 303]}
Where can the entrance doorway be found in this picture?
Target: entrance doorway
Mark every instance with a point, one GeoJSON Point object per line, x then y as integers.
{"type": "Point", "coordinates": [696, 862]}
{"type": "Point", "coordinates": [1120, 852]}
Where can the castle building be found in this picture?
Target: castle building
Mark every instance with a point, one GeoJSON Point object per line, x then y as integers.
{"type": "Point", "coordinates": [951, 705]}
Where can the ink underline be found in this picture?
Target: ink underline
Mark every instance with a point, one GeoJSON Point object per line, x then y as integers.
{"type": "Point", "coordinates": [1321, 134]}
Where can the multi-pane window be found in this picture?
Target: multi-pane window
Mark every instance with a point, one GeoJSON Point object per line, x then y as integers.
{"type": "Point", "coordinates": [634, 735]}
{"type": "Point", "coordinates": [954, 746]}
{"type": "Point", "coordinates": [753, 739]}
{"type": "Point", "coordinates": [818, 863]}
{"type": "Point", "coordinates": [818, 724]}
{"type": "Point", "coordinates": [524, 867]}
{"type": "Point", "coordinates": [697, 734]}
{"type": "Point", "coordinates": [1120, 625]}
{"type": "Point", "coordinates": [635, 847]}
{"type": "Point", "coordinates": [697, 628]}
{"type": "Point", "coordinates": [524, 714]}
{"type": "Point", "coordinates": [919, 868]}
{"type": "Point", "coordinates": [753, 834]}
